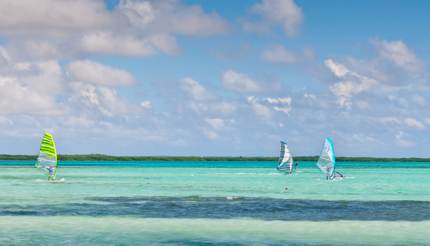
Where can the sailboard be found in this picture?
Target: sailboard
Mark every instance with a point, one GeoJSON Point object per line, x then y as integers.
{"type": "Point", "coordinates": [285, 162]}
{"type": "Point", "coordinates": [327, 160]}
{"type": "Point", "coordinates": [47, 159]}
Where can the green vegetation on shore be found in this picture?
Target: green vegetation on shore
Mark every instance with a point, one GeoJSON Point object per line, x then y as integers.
{"type": "Point", "coordinates": [100, 157]}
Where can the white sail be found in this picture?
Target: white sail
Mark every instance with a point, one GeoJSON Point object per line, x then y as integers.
{"type": "Point", "coordinates": [327, 161]}
{"type": "Point", "coordinates": [285, 158]}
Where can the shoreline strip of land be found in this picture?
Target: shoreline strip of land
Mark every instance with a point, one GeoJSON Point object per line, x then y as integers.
{"type": "Point", "coordinates": [102, 157]}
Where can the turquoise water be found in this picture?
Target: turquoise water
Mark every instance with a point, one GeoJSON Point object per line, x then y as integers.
{"type": "Point", "coordinates": [210, 203]}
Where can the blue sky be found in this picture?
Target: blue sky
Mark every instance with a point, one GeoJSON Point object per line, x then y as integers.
{"type": "Point", "coordinates": [215, 77]}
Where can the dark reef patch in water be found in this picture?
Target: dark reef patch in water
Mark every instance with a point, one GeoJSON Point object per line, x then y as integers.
{"type": "Point", "coordinates": [231, 207]}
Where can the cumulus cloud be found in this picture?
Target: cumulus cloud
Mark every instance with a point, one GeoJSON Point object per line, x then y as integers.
{"type": "Point", "coordinates": [128, 45]}
{"type": "Point", "coordinates": [92, 72]}
{"type": "Point", "coordinates": [206, 103]}
{"type": "Point", "coordinates": [239, 82]}
{"type": "Point", "coordinates": [338, 70]}
{"type": "Point", "coordinates": [398, 53]}
{"type": "Point", "coordinates": [265, 107]}
{"type": "Point", "coordinates": [52, 15]}
{"type": "Point", "coordinates": [100, 99]}
{"type": "Point", "coordinates": [31, 88]}
{"type": "Point", "coordinates": [132, 28]}
{"type": "Point", "coordinates": [351, 83]}
{"type": "Point", "coordinates": [259, 109]}
{"type": "Point", "coordinates": [108, 43]}
{"type": "Point", "coordinates": [194, 89]}
{"type": "Point", "coordinates": [41, 89]}
{"type": "Point", "coordinates": [394, 72]}
{"type": "Point", "coordinates": [277, 12]}
{"type": "Point", "coordinates": [164, 15]}
{"type": "Point", "coordinates": [16, 98]}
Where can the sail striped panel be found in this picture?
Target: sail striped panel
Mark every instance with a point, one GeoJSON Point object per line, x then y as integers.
{"type": "Point", "coordinates": [285, 162]}
{"type": "Point", "coordinates": [327, 160]}
{"type": "Point", "coordinates": [47, 146]}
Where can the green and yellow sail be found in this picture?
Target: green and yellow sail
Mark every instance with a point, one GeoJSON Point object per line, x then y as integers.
{"type": "Point", "coordinates": [47, 159]}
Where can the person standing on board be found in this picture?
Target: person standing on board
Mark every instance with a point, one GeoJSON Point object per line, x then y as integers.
{"type": "Point", "coordinates": [50, 172]}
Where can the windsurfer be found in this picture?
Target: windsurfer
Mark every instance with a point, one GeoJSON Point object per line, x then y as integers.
{"type": "Point", "coordinates": [50, 172]}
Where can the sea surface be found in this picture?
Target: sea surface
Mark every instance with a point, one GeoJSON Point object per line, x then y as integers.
{"type": "Point", "coordinates": [214, 203]}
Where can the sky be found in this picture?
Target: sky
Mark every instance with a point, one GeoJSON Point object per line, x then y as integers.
{"type": "Point", "coordinates": [217, 78]}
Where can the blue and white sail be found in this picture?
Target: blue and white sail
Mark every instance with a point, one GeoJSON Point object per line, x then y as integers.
{"type": "Point", "coordinates": [327, 161]}
{"type": "Point", "coordinates": [285, 162]}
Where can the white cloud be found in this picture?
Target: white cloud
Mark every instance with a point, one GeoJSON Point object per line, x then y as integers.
{"type": "Point", "coordinates": [310, 96]}
{"type": "Point", "coordinates": [61, 28]}
{"type": "Point", "coordinates": [338, 70]}
{"type": "Point", "coordinates": [194, 89]}
{"type": "Point", "coordinates": [31, 88]}
{"type": "Point", "coordinates": [17, 98]}
{"type": "Point", "coordinates": [414, 123]}
{"type": "Point", "coordinates": [128, 45]}
{"type": "Point", "coordinates": [92, 72]}
{"type": "Point", "coordinates": [398, 53]}
{"type": "Point", "coordinates": [281, 104]}
{"type": "Point", "coordinates": [95, 98]}
{"type": "Point", "coordinates": [108, 43]}
{"type": "Point", "coordinates": [138, 13]}
{"type": "Point", "coordinates": [239, 82]}
{"type": "Point", "coordinates": [4, 57]}
{"type": "Point", "coordinates": [146, 104]}
{"type": "Point", "coordinates": [52, 15]}
{"type": "Point", "coordinates": [216, 123]}
{"type": "Point", "coordinates": [259, 109]}
{"type": "Point", "coordinates": [201, 101]}
{"type": "Point", "coordinates": [163, 16]}
{"type": "Point", "coordinates": [279, 100]}
{"type": "Point", "coordinates": [281, 12]}
{"type": "Point", "coordinates": [351, 84]}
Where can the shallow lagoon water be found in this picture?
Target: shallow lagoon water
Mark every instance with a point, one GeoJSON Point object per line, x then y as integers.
{"type": "Point", "coordinates": [208, 203]}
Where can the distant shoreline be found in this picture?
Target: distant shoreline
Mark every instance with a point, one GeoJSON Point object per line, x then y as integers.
{"type": "Point", "coordinates": [100, 157]}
